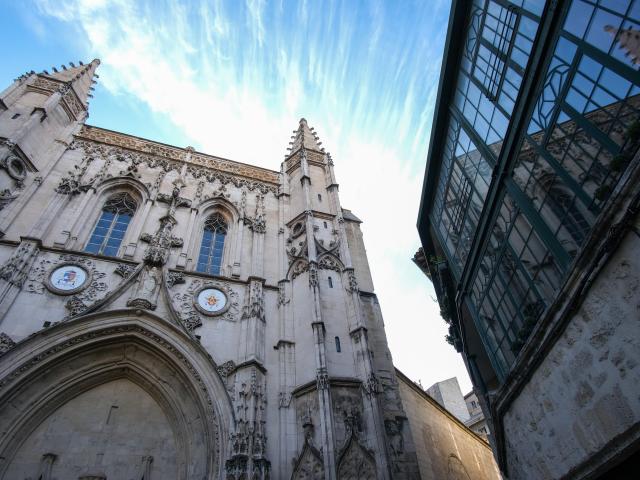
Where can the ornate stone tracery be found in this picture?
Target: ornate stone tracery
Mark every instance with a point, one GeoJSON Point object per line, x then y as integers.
{"type": "Point", "coordinates": [140, 152]}
{"type": "Point", "coordinates": [16, 268]}
{"type": "Point", "coordinates": [248, 439]}
{"type": "Point", "coordinates": [309, 465]}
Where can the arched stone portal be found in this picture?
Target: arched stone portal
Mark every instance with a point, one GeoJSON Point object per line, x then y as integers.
{"type": "Point", "coordinates": [103, 394]}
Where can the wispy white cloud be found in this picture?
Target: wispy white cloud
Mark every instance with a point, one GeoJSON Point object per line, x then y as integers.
{"type": "Point", "coordinates": [235, 78]}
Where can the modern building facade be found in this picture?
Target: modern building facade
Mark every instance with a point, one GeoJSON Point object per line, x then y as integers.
{"type": "Point", "coordinates": [529, 226]}
{"type": "Point", "coordinates": [476, 421]}
{"type": "Point", "coordinates": [448, 394]}
{"type": "Point", "coordinates": [168, 314]}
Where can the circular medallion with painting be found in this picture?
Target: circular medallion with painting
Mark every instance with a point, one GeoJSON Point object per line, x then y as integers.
{"type": "Point", "coordinates": [67, 279]}
{"type": "Point", "coordinates": [211, 301]}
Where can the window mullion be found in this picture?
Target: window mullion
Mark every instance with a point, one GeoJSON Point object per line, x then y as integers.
{"type": "Point", "coordinates": [210, 253]}
{"type": "Point", "coordinates": [107, 235]}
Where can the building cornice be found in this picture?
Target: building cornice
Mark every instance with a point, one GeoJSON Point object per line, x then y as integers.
{"type": "Point", "coordinates": [186, 155]}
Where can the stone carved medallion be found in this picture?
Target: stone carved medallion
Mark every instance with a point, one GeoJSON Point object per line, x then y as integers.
{"type": "Point", "coordinates": [81, 300]}
{"type": "Point", "coordinates": [186, 305]}
{"type": "Point", "coordinates": [67, 279]}
{"type": "Point", "coordinates": [211, 301]}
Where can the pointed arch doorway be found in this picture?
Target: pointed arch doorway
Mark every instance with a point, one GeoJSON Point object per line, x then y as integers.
{"type": "Point", "coordinates": [112, 396]}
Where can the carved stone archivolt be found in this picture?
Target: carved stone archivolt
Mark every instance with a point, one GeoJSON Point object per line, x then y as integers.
{"type": "Point", "coordinates": [61, 352]}
{"type": "Point", "coordinates": [189, 315]}
{"type": "Point", "coordinates": [227, 368]}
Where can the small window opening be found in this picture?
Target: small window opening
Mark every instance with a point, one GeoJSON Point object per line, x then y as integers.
{"type": "Point", "coordinates": [319, 197]}
{"type": "Point", "coordinates": [15, 115]}
{"type": "Point", "coordinates": [330, 282]}
{"type": "Point", "coordinates": [325, 224]}
{"type": "Point", "coordinates": [338, 348]}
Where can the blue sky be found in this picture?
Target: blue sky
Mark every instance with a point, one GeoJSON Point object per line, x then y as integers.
{"type": "Point", "coordinates": [233, 78]}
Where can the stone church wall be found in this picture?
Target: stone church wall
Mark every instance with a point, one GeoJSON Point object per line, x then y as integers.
{"type": "Point", "coordinates": [281, 370]}
{"type": "Point", "coordinates": [447, 450]}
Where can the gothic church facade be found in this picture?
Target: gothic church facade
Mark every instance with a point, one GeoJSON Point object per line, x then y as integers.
{"type": "Point", "coordinates": [166, 314]}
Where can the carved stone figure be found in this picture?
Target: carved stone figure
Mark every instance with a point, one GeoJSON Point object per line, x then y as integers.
{"type": "Point", "coordinates": [5, 343]}
{"type": "Point", "coordinates": [147, 288]}
{"type": "Point", "coordinates": [393, 429]}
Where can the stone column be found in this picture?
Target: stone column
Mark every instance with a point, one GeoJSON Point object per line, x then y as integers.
{"type": "Point", "coordinates": [248, 439]}
{"type": "Point", "coordinates": [136, 229]}
{"type": "Point", "coordinates": [182, 258]}
{"type": "Point", "coordinates": [286, 347]}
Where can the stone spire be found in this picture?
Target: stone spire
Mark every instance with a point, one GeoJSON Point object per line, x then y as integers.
{"type": "Point", "coordinates": [306, 137]}
{"type": "Point", "coordinates": [80, 77]}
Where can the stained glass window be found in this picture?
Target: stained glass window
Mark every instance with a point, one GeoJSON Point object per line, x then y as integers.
{"type": "Point", "coordinates": [212, 246]}
{"type": "Point", "coordinates": [112, 225]}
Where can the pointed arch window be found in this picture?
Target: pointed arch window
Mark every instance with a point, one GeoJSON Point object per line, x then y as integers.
{"type": "Point", "coordinates": [212, 246]}
{"type": "Point", "coordinates": [112, 225]}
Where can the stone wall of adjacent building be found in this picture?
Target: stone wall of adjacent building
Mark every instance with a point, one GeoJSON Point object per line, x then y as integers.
{"type": "Point", "coordinates": [584, 399]}
{"type": "Point", "coordinates": [446, 448]}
